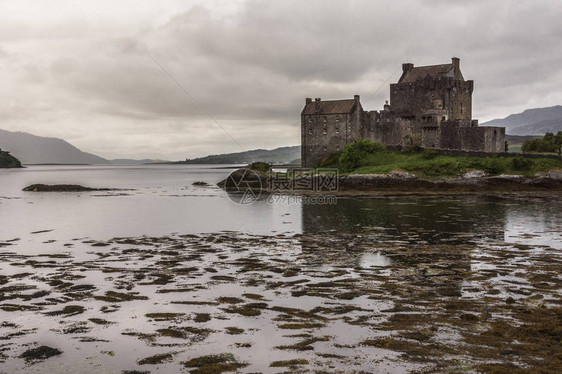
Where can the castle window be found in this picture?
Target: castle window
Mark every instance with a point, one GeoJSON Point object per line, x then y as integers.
{"type": "Point", "coordinates": [325, 149]}
{"type": "Point", "coordinates": [337, 130]}
{"type": "Point", "coordinates": [443, 118]}
{"type": "Point", "coordinates": [461, 108]}
{"type": "Point", "coordinates": [325, 129]}
{"type": "Point", "coordinates": [310, 130]}
{"type": "Point", "coordinates": [310, 120]}
{"type": "Point", "coordinates": [325, 119]}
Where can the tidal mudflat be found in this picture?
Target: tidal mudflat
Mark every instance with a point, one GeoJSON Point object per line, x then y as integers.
{"type": "Point", "coordinates": [359, 301]}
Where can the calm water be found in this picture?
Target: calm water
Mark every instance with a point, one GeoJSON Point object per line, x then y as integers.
{"type": "Point", "coordinates": [340, 270]}
{"type": "Point", "coordinates": [160, 200]}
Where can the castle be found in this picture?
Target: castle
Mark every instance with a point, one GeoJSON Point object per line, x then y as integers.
{"type": "Point", "coordinates": [430, 106]}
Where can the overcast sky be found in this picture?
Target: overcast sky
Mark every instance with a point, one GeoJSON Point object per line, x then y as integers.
{"type": "Point", "coordinates": [83, 71]}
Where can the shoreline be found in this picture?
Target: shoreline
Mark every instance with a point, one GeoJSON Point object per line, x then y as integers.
{"type": "Point", "coordinates": [397, 182]}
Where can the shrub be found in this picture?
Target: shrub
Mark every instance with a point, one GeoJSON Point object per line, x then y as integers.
{"type": "Point", "coordinates": [354, 153]}
{"type": "Point", "coordinates": [521, 164]}
{"type": "Point", "coordinates": [429, 154]}
{"type": "Point", "coordinates": [493, 166]}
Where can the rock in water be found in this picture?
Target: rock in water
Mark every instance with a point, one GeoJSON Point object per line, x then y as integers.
{"type": "Point", "coordinates": [61, 188]}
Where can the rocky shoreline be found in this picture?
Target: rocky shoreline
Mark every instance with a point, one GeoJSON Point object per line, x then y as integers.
{"type": "Point", "coordinates": [475, 181]}
{"type": "Point", "coordinates": [401, 182]}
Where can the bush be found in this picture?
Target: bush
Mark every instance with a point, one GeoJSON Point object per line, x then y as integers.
{"type": "Point", "coordinates": [549, 143]}
{"type": "Point", "coordinates": [521, 164]}
{"type": "Point", "coordinates": [356, 153]}
{"type": "Point", "coordinates": [493, 166]}
{"type": "Point", "coordinates": [429, 154]}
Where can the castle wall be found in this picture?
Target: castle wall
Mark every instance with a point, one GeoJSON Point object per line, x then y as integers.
{"type": "Point", "coordinates": [494, 139]}
{"type": "Point", "coordinates": [467, 136]}
{"type": "Point", "coordinates": [433, 100]}
{"type": "Point", "coordinates": [323, 135]}
{"type": "Point", "coordinates": [460, 100]}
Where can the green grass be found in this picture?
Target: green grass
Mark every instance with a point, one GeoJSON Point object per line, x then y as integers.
{"type": "Point", "coordinates": [430, 165]}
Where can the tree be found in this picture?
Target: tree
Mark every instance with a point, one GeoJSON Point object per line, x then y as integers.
{"type": "Point", "coordinates": [547, 144]}
{"type": "Point", "coordinates": [558, 142]}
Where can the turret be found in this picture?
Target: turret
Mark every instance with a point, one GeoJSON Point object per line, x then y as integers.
{"type": "Point", "coordinates": [457, 67]}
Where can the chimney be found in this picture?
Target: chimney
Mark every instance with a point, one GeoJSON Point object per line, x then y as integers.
{"type": "Point", "coordinates": [457, 66]}
{"type": "Point", "coordinates": [356, 98]}
{"type": "Point", "coordinates": [317, 105]}
{"type": "Point", "coordinates": [407, 67]}
{"type": "Point", "coordinates": [308, 100]}
{"type": "Point", "coordinates": [386, 106]}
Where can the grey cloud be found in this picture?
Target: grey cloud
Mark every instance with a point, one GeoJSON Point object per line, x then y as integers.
{"type": "Point", "coordinates": [252, 67]}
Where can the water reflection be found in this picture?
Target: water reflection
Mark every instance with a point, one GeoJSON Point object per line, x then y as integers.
{"type": "Point", "coordinates": [368, 260]}
{"type": "Point", "coordinates": [432, 242]}
{"type": "Point", "coordinates": [412, 219]}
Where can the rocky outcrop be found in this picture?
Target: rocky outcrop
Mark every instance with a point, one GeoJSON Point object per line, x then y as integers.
{"type": "Point", "coordinates": [62, 188]}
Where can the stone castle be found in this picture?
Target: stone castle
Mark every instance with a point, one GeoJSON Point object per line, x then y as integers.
{"type": "Point", "coordinates": [430, 106]}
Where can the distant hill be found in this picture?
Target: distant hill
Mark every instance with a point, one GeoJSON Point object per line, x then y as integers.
{"type": "Point", "coordinates": [283, 155]}
{"type": "Point", "coordinates": [8, 161]}
{"type": "Point", "coordinates": [126, 161]}
{"type": "Point", "coordinates": [537, 121]}
{"type": "Point", "coordinates": [32, 149]}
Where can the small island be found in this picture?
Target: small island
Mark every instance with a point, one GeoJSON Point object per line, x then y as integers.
{"type": "Point", "coordinates": [8, 161]}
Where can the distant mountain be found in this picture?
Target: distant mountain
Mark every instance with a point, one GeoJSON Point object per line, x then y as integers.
{"type": "Point", "coordinates": [126, 161]}
{"type": "Point", "coordinates": [32, 149]}
{"type": "Point", "coordinates": [537, 121]}
{"type": "Point", "coordinates": [283, 155]}
{"type": "Point", "coordinates": [539, 128]}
